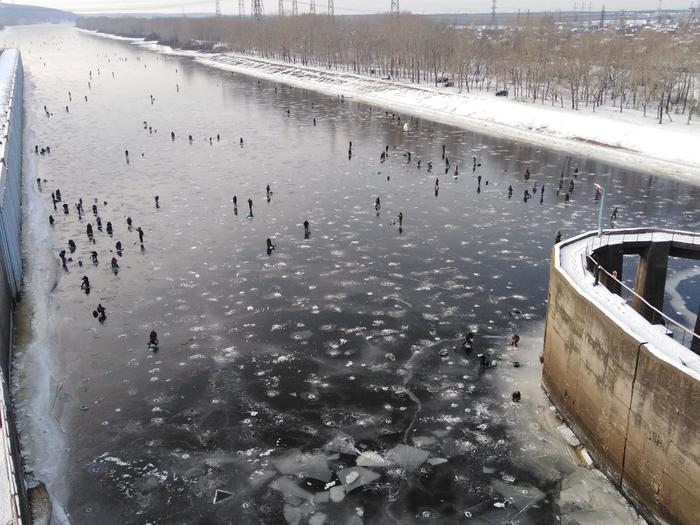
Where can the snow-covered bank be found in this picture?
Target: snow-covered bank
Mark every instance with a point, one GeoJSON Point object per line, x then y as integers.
{"type": "Point", "coordinates": [627, 138]}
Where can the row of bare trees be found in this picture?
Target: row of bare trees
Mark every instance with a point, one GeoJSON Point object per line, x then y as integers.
{"type": "Point", "coordinates": [649, 69]}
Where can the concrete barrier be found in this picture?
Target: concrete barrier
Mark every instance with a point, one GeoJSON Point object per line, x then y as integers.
{"type": "Point", "coordinates": [630, 393]}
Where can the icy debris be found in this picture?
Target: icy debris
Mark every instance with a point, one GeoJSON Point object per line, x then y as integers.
{"type": "Point", "coordinates": [291, 490]}
{"type": "Point", "coordinates": [221, 495]}
{"type": "Point", "coordinates": [317, 519]}
{"type": "Point", "coordinates": [407, 457]}
{"type": "Point", "coordinates": [342, 443]}
{"type": "Point", "coordinates": [568, 435]}
{"type": "Point", "coordinates": [314, 466]}
{"type": "Point", "coordinates": [518, 496]}
{"type": "Point", "coordinates": [356, 477]}
{"type": "Point", "coordinates": [337, 494]}
{"type": "Point", "coordinates": [372, 459]}
{"type": "Point", "coordinates": [437, 461]}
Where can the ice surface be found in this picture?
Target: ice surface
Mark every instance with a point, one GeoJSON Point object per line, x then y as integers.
{"type": "Point", "coordinates": [372, 459]}
{"type": "Point", "coordinates": [313, 466]}
{"type": "Point", "coordinates": [356, 477]}
{"type": "Point", "coordinates": [291, 491]}
{"type": "Point", "coordinates": [407, 457]}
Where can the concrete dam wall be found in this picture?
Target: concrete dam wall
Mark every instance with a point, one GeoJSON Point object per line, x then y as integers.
{"type": "Point", "coordinates": [13, 506]}
{"type": "Point", "coordinates": [629, 391]}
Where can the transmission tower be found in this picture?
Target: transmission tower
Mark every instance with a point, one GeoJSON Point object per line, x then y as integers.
{"type": "Point", "coordinates": [256, 9]}
{"type": "Point", "coordinates": [280, 9]}
{"type": "Point", "coordinates": [241, 7]}
{"type": "Point", "coordinates": [331, 8]}
{"type": "Point", "coordinates": [217, 9]}
{"type": "Point", "coordinates": [295, 8]}
{"type": "Point", "coordinates": [493, 13]}
{"type": "Point", "coordinates": [312, 7]}
{"type": "Point", "coordinates": [395, 7]}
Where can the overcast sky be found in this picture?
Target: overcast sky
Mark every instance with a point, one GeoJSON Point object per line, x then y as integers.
{"type": "Point", "coordinates": [351, 6]}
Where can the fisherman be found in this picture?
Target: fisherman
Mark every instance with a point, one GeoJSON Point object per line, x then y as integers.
{"type": "Point", "coordinates": [51, 220]}
{"type": "Point", "coordinates": [483, 361]}
{"type": "Point", "coordinates": [36, 149]}
{"type": "Point", "coordinates": [418, 164]}
{"type": "Point", "coordinates": [515, 396]}
{"type": "Point", "coordinates": [400, 217]}
{"type": "Point", "coordinates": [89, 231]}
{"type": "Point", "coordinates": [510, 191]}
{"type": "Point", "coordinates": [172, 135]}
{"type": "Point", "coordinates": [456, 170]}
{"type": "Point", "coordinates": [85, 285]}
{"type": "Point", "coordinates": [267, 192]}
{"type": "Point", "coordinates": [443, 151]}
{"type": "Point", "coordinates": [153, 340]}
{"type": "Point", "coordinates": [270, 246]}
{"type": "Point", "coordinates": [567, 198]}
{"type": "Point", "coordinates": [430, 166]}
{"type": "Point", "coordinates": [377, 204]}
{"type": "Point", "coordinates": [557, 239]}
{"type": "Point", "coordinates": [94, 209]}
{"type": "Point", "coordinates": [526, 196]}
{"type": "Point", "coordinates": [65, 209]}
{"type": "Point", "coordinates": [571, 186]}
{"type": "Point", "coordinates": [157, 199]}
{"type": "Point", "coordinates": [115, 265]}
{"type": "Point", "coordinates": [382, 157]}
{"type": "Point", "coordinates": [468, 341]}
{"type": "Point", "coordinates": [126, 153]}
{"type": "Point", "coordinates": [514, 340]}
{"type": "Point", "coordinates": [527, 173]}
{"type": "Point", "coordinates": [613, 217]}
{"type": "Point", "coordinates": [140, 234]}
{"type": "Point", "coordinates": [129, 222]}
{"type": "Point", "coordinates": [71, 245]}
{"type": "Point", "coordinates": [93, 256]}
{"type": "Point", "coordinates": [250, 207]}
{"type": "Point", "coordinates": [99, 223]}
{"type": "Point", "coordinates": [109, 228]}
{"type": "Point", "coordinates": [437, 184]}
{"type": "Point", "coordinates": [241, 142]}
{"type": "Point", "coordinates": [307, 232]}
{"type": "Point", "coordinates": [58, 195]}
{"type": "Point", "coordinates": [62, 255]}
{"type": "Point", "coordinates": [118, 246]}
{"type": "Point", "coordinates": [478, 180]}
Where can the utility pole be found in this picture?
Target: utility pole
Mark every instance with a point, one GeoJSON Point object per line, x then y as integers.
{"type": "Point", "coordinates": [602, 17]}
{"type": "Point", "coordinates": [280, 9]}
{"type": "Point", "coordinates": [658, 11]}
{"type": "Point", "coordinates": [331, 8]}
{"type": "Point", "coordinates": [312, 7]}
{"type": "Point", "coordinates": [295, 8]}
{"type": "Point", "coordinates": [241, 8]}
{"type": "Point", "coordinates": [217, 9]}
{"type": "Point", "coordinates": [493, 13]}
{"type": "Point", "coordinates": [256, 9]}
{"type": "Point", "coordinates": [395, 7]}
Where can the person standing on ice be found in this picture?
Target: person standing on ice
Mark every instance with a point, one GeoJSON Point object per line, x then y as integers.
{"type": "Point", "coordinates": [613, 216]}
{"type": "Point", "coordinates": [250, 207]}
{"type": "Point", "coordinates": [307, 232]}
{"type": "Point", "coordinates": [140, 234]}
{"type": "Point", "coordinates": [153, 340]}
{"type": "Point", "coordinates": [377, 204]}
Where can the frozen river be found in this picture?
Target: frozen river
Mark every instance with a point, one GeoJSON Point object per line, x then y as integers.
{"type": "Point", "coordinates": [325, 381]}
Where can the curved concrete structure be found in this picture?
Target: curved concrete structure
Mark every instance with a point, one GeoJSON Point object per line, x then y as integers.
{"type": "Point", "coordinates": [630, 392]}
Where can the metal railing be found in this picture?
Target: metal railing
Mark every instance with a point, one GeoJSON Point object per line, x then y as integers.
{"type": "Point", "coordinates": [670, 327]}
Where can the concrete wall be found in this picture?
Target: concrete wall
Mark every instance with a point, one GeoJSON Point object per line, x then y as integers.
{"type": "Point", "coordinates": [11, 91]}
{"type": "Point", "coordinates": [638, 415]}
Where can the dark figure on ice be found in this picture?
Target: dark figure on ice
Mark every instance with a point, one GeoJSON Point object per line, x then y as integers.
{"type": "Point", "coordinates": [140, 234]}
{"type": "Point", "coordinates": [443, 151]}
{"type": "Point", "coordinates": [557, 239]}
{"type": "Point", "coordinates": [268, 192]}
{"type": "Point", "coordinates": [430, 166]}
{"type": "Point", "coordinates": [100, 313]}
{"type": "Point", "coordinates": [571, 186]}
{"type": "Point", "coordinates": [129, 222]}
{"type": "Point", "coordinates": [172, 135]}
{"type": "Point", "coordinates": [71, 245]}
{"type": "Point", "coordinates": [510, 191]}
{"type": "Point", "coordinates": [99, 223]}
{"type": "Point", "coordinates": [51, 220]}
{"type": "Point", "coordinates": [115, 265]}
{"type": "Point", "coordinates": [118, 246]}
{"type": "Point", "coordinates": [157, 199]}
{"type": "Point", "coordinates": [85, 286]}
{"type": "Point", "coordinates": [468, 342]}
{"type": "Point", "coordinates": [307, 232]}
{"type": "Point", "coordinates": [58, 195]}
{"type": "Point", "coordinates": [93, 256]}
{"type": "Point", "coordinates": [153, 341]}
{"type": "Point", "coordinates": [526, 196]}
{"type": "Point", "coordinates": [250, 207]}
{"type": "Point", "coordinates": [613, 216]}
{"type": "Point", "coordinates": [65, 209]}
{"type": "Point", "coordinates": [94, 209]}
{"type": "Point", "coordinates": [527, 174]}
{"type": "Point", "coordinates": [567, 198]}
{"type": "Point", "coordinates": [515, 396]}
{"type": "Point", "coordinates": [109, 228]}
{"type": "Point", "coordinates": [62, 255]}
{"type": "Point", "coordinates": [377, 204]}
{"type": "Point", "coordinates": [126, 153]}
{"type": "Point", "coordinates": [400, 218]}
{"type": "Point", "coordinates": [89, 231]}
{"type": "Point", "coordinates": [270, 246]}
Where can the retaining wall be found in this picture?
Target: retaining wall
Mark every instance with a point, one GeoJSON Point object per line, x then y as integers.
{"type": "Point", "coordinates": [637, 413]}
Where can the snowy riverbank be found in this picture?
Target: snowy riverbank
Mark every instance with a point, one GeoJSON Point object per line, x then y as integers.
{"type": "Point", "coordinates": [627, 138]}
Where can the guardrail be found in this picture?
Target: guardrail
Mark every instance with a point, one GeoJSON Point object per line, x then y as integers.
{"type": "Point", "coordinates": [672, 328]}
